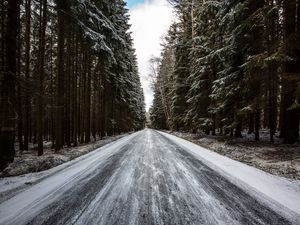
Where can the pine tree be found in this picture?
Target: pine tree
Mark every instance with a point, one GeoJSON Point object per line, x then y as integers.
{"type": "Point", "coordinates": [75, 67]}
{"type": "Point", "coordinates": [8, 83]}
{"type": "Point", "coordinates": [234, 61]}
{"type": "Point", "coordinates": [182, 68]}
{"type": "Point", "coordinates": [41, 71]}
{"type": "Point", "coordinates": [290, 79]}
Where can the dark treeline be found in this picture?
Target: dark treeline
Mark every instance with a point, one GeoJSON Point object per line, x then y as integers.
{"type": "Point", "coordinates": [68, 73]}
{"type": "Point", "coordinates": [231, 65]}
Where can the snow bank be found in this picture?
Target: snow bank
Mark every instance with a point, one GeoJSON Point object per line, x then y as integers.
{"type": "Point", "coordinates": [9, 186]}
{"type": "Point", "coordinates": [29, 162]}
{"type": "Point", "coordinates": [279, 193]}
{"type": "Point", "coordinates": [276, 158]}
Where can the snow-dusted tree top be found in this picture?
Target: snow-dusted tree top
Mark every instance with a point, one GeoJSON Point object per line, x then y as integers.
{"type": "Point", "coordinates": [96, 27]}
{"type": "Point", "coordinates": [104, 27]}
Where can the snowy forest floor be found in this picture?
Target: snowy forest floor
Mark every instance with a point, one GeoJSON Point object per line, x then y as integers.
{"type": "Point", "coordinates": [275, 158]}
{"type": "Point", "coordinates": [28, 161]}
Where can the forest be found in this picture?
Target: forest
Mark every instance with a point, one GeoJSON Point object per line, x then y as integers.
{"type": "Point", "coordinates": [150, 112]}
{"type": "Point", "coordinates": [228, 67]}
{"type": "Point", "coordinates": [68, 74]}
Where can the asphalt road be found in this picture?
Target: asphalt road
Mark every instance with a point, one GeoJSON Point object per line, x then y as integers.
{"type": "Point", "coordinates": [145, 180]}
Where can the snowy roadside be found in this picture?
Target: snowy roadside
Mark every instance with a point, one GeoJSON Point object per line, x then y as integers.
{"type": "Point", "coordinates": [275, 158]}
{"type": "Point", "coordinates": [258, 183]}
{"type": "Point", "coordinates": [29, 162]}
{"type": "Point", "coordinates": [29, 168]}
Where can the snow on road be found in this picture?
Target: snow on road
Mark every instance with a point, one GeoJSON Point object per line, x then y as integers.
{"type": "Point", "coordinates": [146, 178]}
{"type": "Point", "coordinates": [39, 195]}
{"type": "Point", "coordinates": [276, 189]}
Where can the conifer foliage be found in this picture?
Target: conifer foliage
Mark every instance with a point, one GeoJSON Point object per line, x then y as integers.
{"type": "Point", "coordinates": [68, 74]}
{"type": "Point", "coordinates": [236, 67]}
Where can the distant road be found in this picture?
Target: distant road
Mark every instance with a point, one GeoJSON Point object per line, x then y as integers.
{"type": "Point", "coordinates": [142, 179]}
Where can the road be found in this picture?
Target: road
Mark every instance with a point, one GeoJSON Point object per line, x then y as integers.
{"type": "Point", "coordinates": [142, 179]}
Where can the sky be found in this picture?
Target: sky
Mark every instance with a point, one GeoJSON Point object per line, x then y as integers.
{"type": "Point", "coordinates": [150, 20]}
{"type": "Point", "coordinates": [133, 3]}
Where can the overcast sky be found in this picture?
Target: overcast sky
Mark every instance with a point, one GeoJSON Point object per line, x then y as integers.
{"type": "Point", "coordinates": [150, 20]}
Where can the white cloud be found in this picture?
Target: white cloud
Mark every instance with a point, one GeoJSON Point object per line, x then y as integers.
{"type": "Point", "coordinates": [150, 21]}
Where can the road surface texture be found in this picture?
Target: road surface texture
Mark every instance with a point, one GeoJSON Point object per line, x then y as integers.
{"type": "Point", "coordinates": [145, 179]}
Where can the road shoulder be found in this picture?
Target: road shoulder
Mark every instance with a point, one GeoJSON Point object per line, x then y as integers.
{"type": "Point", "coordinates": [281, 194]}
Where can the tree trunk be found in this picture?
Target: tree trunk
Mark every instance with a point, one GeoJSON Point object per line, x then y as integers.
{"type": "Point", "coordinates": [27, 73]}
{"type": "Point", "coordinates": [67, 121]}
{"type": "Point", "coordinates": [76, 93]}
{"type": "Point", "coordinates": [290, 120]}
{"type": "Point", "coordinates": [87, 132]}
{"type": "Point", "coordinates": [257, 124]}
{"type": "Point", "coordinates": [41, 61]}
{"type": "Point", "coordinates": [272, 102]}
{"type": "Point", "coordinates": [238, 130]}
{"type": "Point", "coordinates": [52, 97]}
{"type": "Point", "coordinates": [60, 76]}
{"type": "Point", "coordinates": [19, 92]}
{"type": "Point", "coordinates": [7, 135]}
{"type": "Point", "coordinates": [251, 123]}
